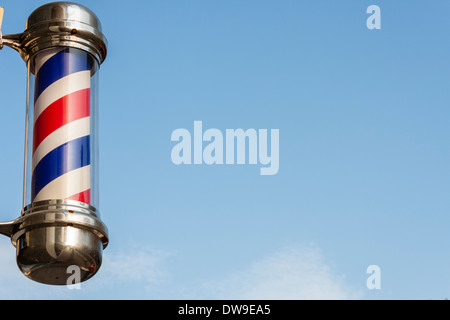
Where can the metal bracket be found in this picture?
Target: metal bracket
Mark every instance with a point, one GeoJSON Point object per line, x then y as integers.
{"type": "Point", "coordinates": [8, 228]}
{"type": "Point", "coordinates": [13, 40]}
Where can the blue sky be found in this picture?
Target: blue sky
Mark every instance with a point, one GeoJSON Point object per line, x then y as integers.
{"type": "Point", "coordinates": [364, 150]}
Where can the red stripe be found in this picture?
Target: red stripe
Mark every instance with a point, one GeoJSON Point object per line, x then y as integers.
{"type": "Point", "coordinates": [69, 108]}
{"type": "Point", "coordinates": [84, 196]}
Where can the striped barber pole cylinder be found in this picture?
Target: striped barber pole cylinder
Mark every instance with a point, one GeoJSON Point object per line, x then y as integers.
{"type": "Point", "coordinates": [61, 155]}
{"type": "Point", "coordinates": [59, 234]}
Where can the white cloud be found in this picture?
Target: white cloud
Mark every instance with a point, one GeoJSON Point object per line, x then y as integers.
{"type": "Point", "coordinates": [137, 265]}
{"type": "Point", "coordinates": [292, 273]}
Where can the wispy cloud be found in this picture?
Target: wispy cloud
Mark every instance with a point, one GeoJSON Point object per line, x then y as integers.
{"type": "Point", "coordinates": [291, 273]}
{"type": "Point", "coordinates": [142, 264]}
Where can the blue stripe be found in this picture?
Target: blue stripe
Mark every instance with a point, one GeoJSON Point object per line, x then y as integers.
{"type": "Point", "coordinates": [62, 64]}
{"type": "Point", "coordinates": [67, 157]}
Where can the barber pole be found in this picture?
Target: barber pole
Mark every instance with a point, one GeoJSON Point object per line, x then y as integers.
{"type": "Point", "coordinates": [60, 226]}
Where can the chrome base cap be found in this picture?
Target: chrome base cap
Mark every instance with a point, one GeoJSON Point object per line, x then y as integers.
{"type": "Point", "coordinates": [59, 242]}
{"type": "Point", "coordinates": [59, 255]}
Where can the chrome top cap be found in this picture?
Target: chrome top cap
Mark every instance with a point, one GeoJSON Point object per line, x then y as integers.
{"type": "Point", "coordinates": [62, 10]}
{"type": "Point", "coordinates": [63, 24]}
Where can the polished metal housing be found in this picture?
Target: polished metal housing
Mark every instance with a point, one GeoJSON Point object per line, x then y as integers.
{"type": "Point", "coordinates": [51, 236]}
{"type": "Point", "coordinates": [57, 24]}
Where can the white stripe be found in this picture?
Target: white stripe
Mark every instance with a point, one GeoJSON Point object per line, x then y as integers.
{"type": "Point", "coordinates": [67, 185]}
{"type": "Point", "coordinates": [43, 56]}
{"type": "Point", "coordinates": [64, 86]}
{"type": "Point", "coordinates": [71, 131]}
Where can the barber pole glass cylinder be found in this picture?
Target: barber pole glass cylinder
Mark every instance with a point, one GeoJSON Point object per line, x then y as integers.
{"type": "Point", "coordinates": [62, 144]}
